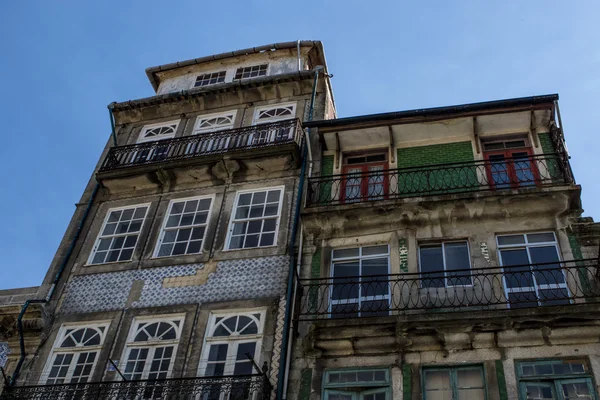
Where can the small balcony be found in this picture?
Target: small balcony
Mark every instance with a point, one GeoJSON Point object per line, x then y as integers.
{"type": "Point", "coordinates": [490, 289]}
{"type": "Point", "coordinates": [434, 180]}
{"type": "Point", "coordinates": [240, 387]}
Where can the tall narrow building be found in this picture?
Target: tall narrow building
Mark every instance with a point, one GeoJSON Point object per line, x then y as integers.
{"type": "Point", "coordinates": [171, 279]}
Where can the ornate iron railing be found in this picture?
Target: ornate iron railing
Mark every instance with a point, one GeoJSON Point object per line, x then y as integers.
{"type": "Point", "coordinates": [187, 147]}
{"type": "Point", "coordinates": [510, 173]}
{"type": "Point", "coordinates": [524, 286]}
{"type": "Point", "coordinates": [242, 387]}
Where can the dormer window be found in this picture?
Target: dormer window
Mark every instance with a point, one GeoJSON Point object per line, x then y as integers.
{"type": "Point", "coordinates": [163, 130]}
{"type": "Point", "coordinates": [210, 79]}
{"type": "Point", "coordinates": [251, 72]}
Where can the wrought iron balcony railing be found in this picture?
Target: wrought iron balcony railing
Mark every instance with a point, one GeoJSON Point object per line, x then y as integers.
{"type": "Point", "coordinates": [241, 387]}
{"type": "Point", "coordinates": [509, 173]}
{"type": "Point", "coordinates": [188, 147]}
{"type": "Point", "coordinates": [563, 283]}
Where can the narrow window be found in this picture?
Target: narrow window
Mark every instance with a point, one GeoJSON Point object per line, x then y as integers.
{"type": "Point", "coordinates": [360, 282]}
{"type": "Point", "coordinates": [184, 227]}
{"type": "Point", "coordinates": [357, 384]}
{"type": "Point", "coordinates": [555, 379]}
{"type": "Point", "coordinates": [75, 354]}
{"type": "Point", "coordinates": [454, 383]}
{"type": "Point", "coordinates": [532, 270]}
{"type": "Point", "coordinates": [510, 164]}
{"type": "Point", "coordinates": [445, 264]}
{"type": "Point", "coordinates": [210, 79]}
{"type": "Point", "coordinates": [119, 235]}
{"type": "Point", "coordinates": [151, 348]}
{"type": "Point", "coordinates": [255, 219]}
{"type": "Point", "coordinates": [251, 72]}
{"type": "Point", "coordinates": [364, 177]}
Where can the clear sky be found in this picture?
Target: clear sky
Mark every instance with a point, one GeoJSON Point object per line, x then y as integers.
{"type": "Point", "coordinates": [62, 62]}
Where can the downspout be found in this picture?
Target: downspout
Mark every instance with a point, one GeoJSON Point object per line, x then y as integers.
{"type": "Point", "coordinates": [61, 269]}
{"type": "Point", "coordinates": [298, 50]}
{"type": "Point", "coordinates": [283, 360]}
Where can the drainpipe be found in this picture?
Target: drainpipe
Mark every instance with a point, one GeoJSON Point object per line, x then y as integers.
{"type": "Point", "coordinates": [283, 360]}
{"type": "Point", "coordinates": [61, 269]}
{"type": "Point", "coordinates": [298, 50]}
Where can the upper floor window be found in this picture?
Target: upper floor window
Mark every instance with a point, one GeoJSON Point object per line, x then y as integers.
{"type": "Point", "coordinates": [251, 71]}
{"type": "Point", "coordinates": [74, 354]}
{"type": "Point", "coordinates": [449, 383]}
{"type": "Point", "coordinates": [210, 79]}
{"type": "Point", "coordinates": [357, 384]}
{"type": "Point", "coordinates": [273, 113]}
{"type": "Point", "coordinates": [255, 219]}
{"type": "Point", "coordinates": [119, 234]}
{"type": "Point", "coordinates": [360, 284]}
{"type": "Point", "coordinates": [163, 130]}
{"type": "Point", "coordinates": [364, 177]}
{"type": "Point", "coordinates": [532, 273]}
{"type": "Point", "coordinates": [151, 348]}
{"type": "Point", "coordinates": [510, 163]}
{"type": "Point", "coordinates": [445, 264]}
{"type": "Point", "coordinates": [229, 336]}
{"type": "Point", "coordinates": [214, 122]}
{"type": "Point", "coordinates": [184, 227]}
{"type": "Point", "coordinates": [555, 379]}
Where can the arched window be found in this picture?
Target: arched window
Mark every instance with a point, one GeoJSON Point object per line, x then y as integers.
{"type": "Point", "coordinates": [163, 130]}
{"type": "Point", "coordinates": [230, 339]}
{"type": "Point", "coordinates": [214, 122]}
{"type": "Point", "coordinates": [74, 354]}
{"type": "Point", "coordinates": [151, 348]}
{"type": "Point", "coordinates": [274, 113]}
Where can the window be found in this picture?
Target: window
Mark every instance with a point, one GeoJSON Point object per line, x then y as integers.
{"type": "Point", "coordinates": [151, 348]}
{"type": "Point", "coordinates": [532, 270]}
{"type": "Point", "coordinates": [274, 132]}
{"type": "Point", "coordinates": [255, 219]}
{"type": "Point", "coordinates": [274, 113]}
{"type": "Point", "coordinates": [445, 264]}
{"type": "Point", "coordinates": [164, 130]}
{"type": "Point", "coordinates": [454, 383]}
{"type": "Point", "coordinates": [362, 384]}
{"type": "Point", "coordinates": [364, 177]}
{"type": "Point", "coordinates": [210, 79]}
{"type": "Point", "coordinates": [555, 379]}
{"type": "Point", "coordinates": [119, 235]}
{"type": "Point", "coordinates": [206, 124]}
{"type": "Point", "coordinates": [74, 354]}
{"type": "Point", "coordinates": [184, 227]}
{"type": "Point", "coordinates": [510, 164]}
{"type": "Point", "coordinates": [360, 282]}
{"type": "Point", "coordinates": [251, 72]}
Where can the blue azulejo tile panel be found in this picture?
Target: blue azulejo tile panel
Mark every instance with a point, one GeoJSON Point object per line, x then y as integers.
{"type": "Point", "coordinates": [232, 280]}
{"type": "Point", "coordinates": [4, 352]}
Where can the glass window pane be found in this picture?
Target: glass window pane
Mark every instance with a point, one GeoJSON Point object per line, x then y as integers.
{"type": "Point", "coordinates": [431, 266]}
{"type": "Point", "coordinates": [374, 250]}
{"type": "Point", "coordinates": [540, 237]}
{"type": "Point", "coordinates": [511, 239]}
{"type": "Point", "coordinates": [469, 378]}
{"type": "Point", "coordinates": [345, 253]}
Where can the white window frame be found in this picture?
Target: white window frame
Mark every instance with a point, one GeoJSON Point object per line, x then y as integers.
{"type": "Point", "coordinates": [163, 228]}
{"type": "Point", "coordinates": [208, 73]}
{"type": "Point", "coordinates": [232, 218]}
{"type": "Point", "coordinates": [360, 299]}
{"type": "Point", "coordinates": [146, 128]}
{"type": "Point", "coordinates": [233, 341]}
{"type": "Point", "coordinates": [258, 110]}
{"type": "Point", "coordinates": [224, 114]}
{"type": "Point", "coordinates": [99, 236]}
{"type": "Point", "coordinates": [235, 69]}
{"type": "Point", "coordinates": [536, 287]}
{"type": "Point", "coordinates": [56, 349]}
{"type": "Point", "coordinates": [151, 345]}
{"type": "Point", "coordinates": [445, 271]}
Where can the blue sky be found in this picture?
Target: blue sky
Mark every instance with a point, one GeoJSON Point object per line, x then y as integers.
{"type": "Point", "coordinates": [62, 62]}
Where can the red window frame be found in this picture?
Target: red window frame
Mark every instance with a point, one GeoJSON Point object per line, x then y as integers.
{"type": "Point", "coordinates": [364, 181]}
{"type": "Point", "coordinates": [511, 171]}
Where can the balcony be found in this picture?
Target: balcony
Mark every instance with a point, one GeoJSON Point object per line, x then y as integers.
{"type": "Point", "coordinates": [464, 177]}
{"type": "Point", "coordinates": [269, 141]}
{"type": "Point", "coordinates": [250, 387]}
{"type": "Point", "coordinates": [567, 283]}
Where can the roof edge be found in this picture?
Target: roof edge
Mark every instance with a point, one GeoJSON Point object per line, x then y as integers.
{"type": "Point", "coordinates": [424, 112]}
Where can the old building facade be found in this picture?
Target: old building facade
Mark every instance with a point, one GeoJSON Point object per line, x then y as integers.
{"type": "Point", "coordinates": [444, 257]}
{"type": "Point", "coordinates": [171, 278]}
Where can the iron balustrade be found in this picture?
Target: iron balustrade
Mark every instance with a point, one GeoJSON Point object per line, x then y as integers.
{"type": "Point", "coordinates": [188, 147]}
{"type": "Point", "coordinates": [460, 177]}
{"type": "Point", "coordinates": [240, 387]}
{"type": "Point", "coordinates": [562, 283]}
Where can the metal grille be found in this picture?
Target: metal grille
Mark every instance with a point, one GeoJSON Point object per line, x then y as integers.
{"type": "Point", "coordinates": [509, 173]}
{"type": "Point", "coordinates": [551, 284]}
{"type": "Point", "coordinates": [250, 387]}
{"type": "Point", "coordinates": [188, 147]}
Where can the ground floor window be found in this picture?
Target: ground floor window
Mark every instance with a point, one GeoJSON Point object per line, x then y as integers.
{"type": "Point", "coordinates": [454, 383]}
{"type": "Point", "coordinates": [555, 379]}
{"type": "Point", "coordinates": [357, 384]}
